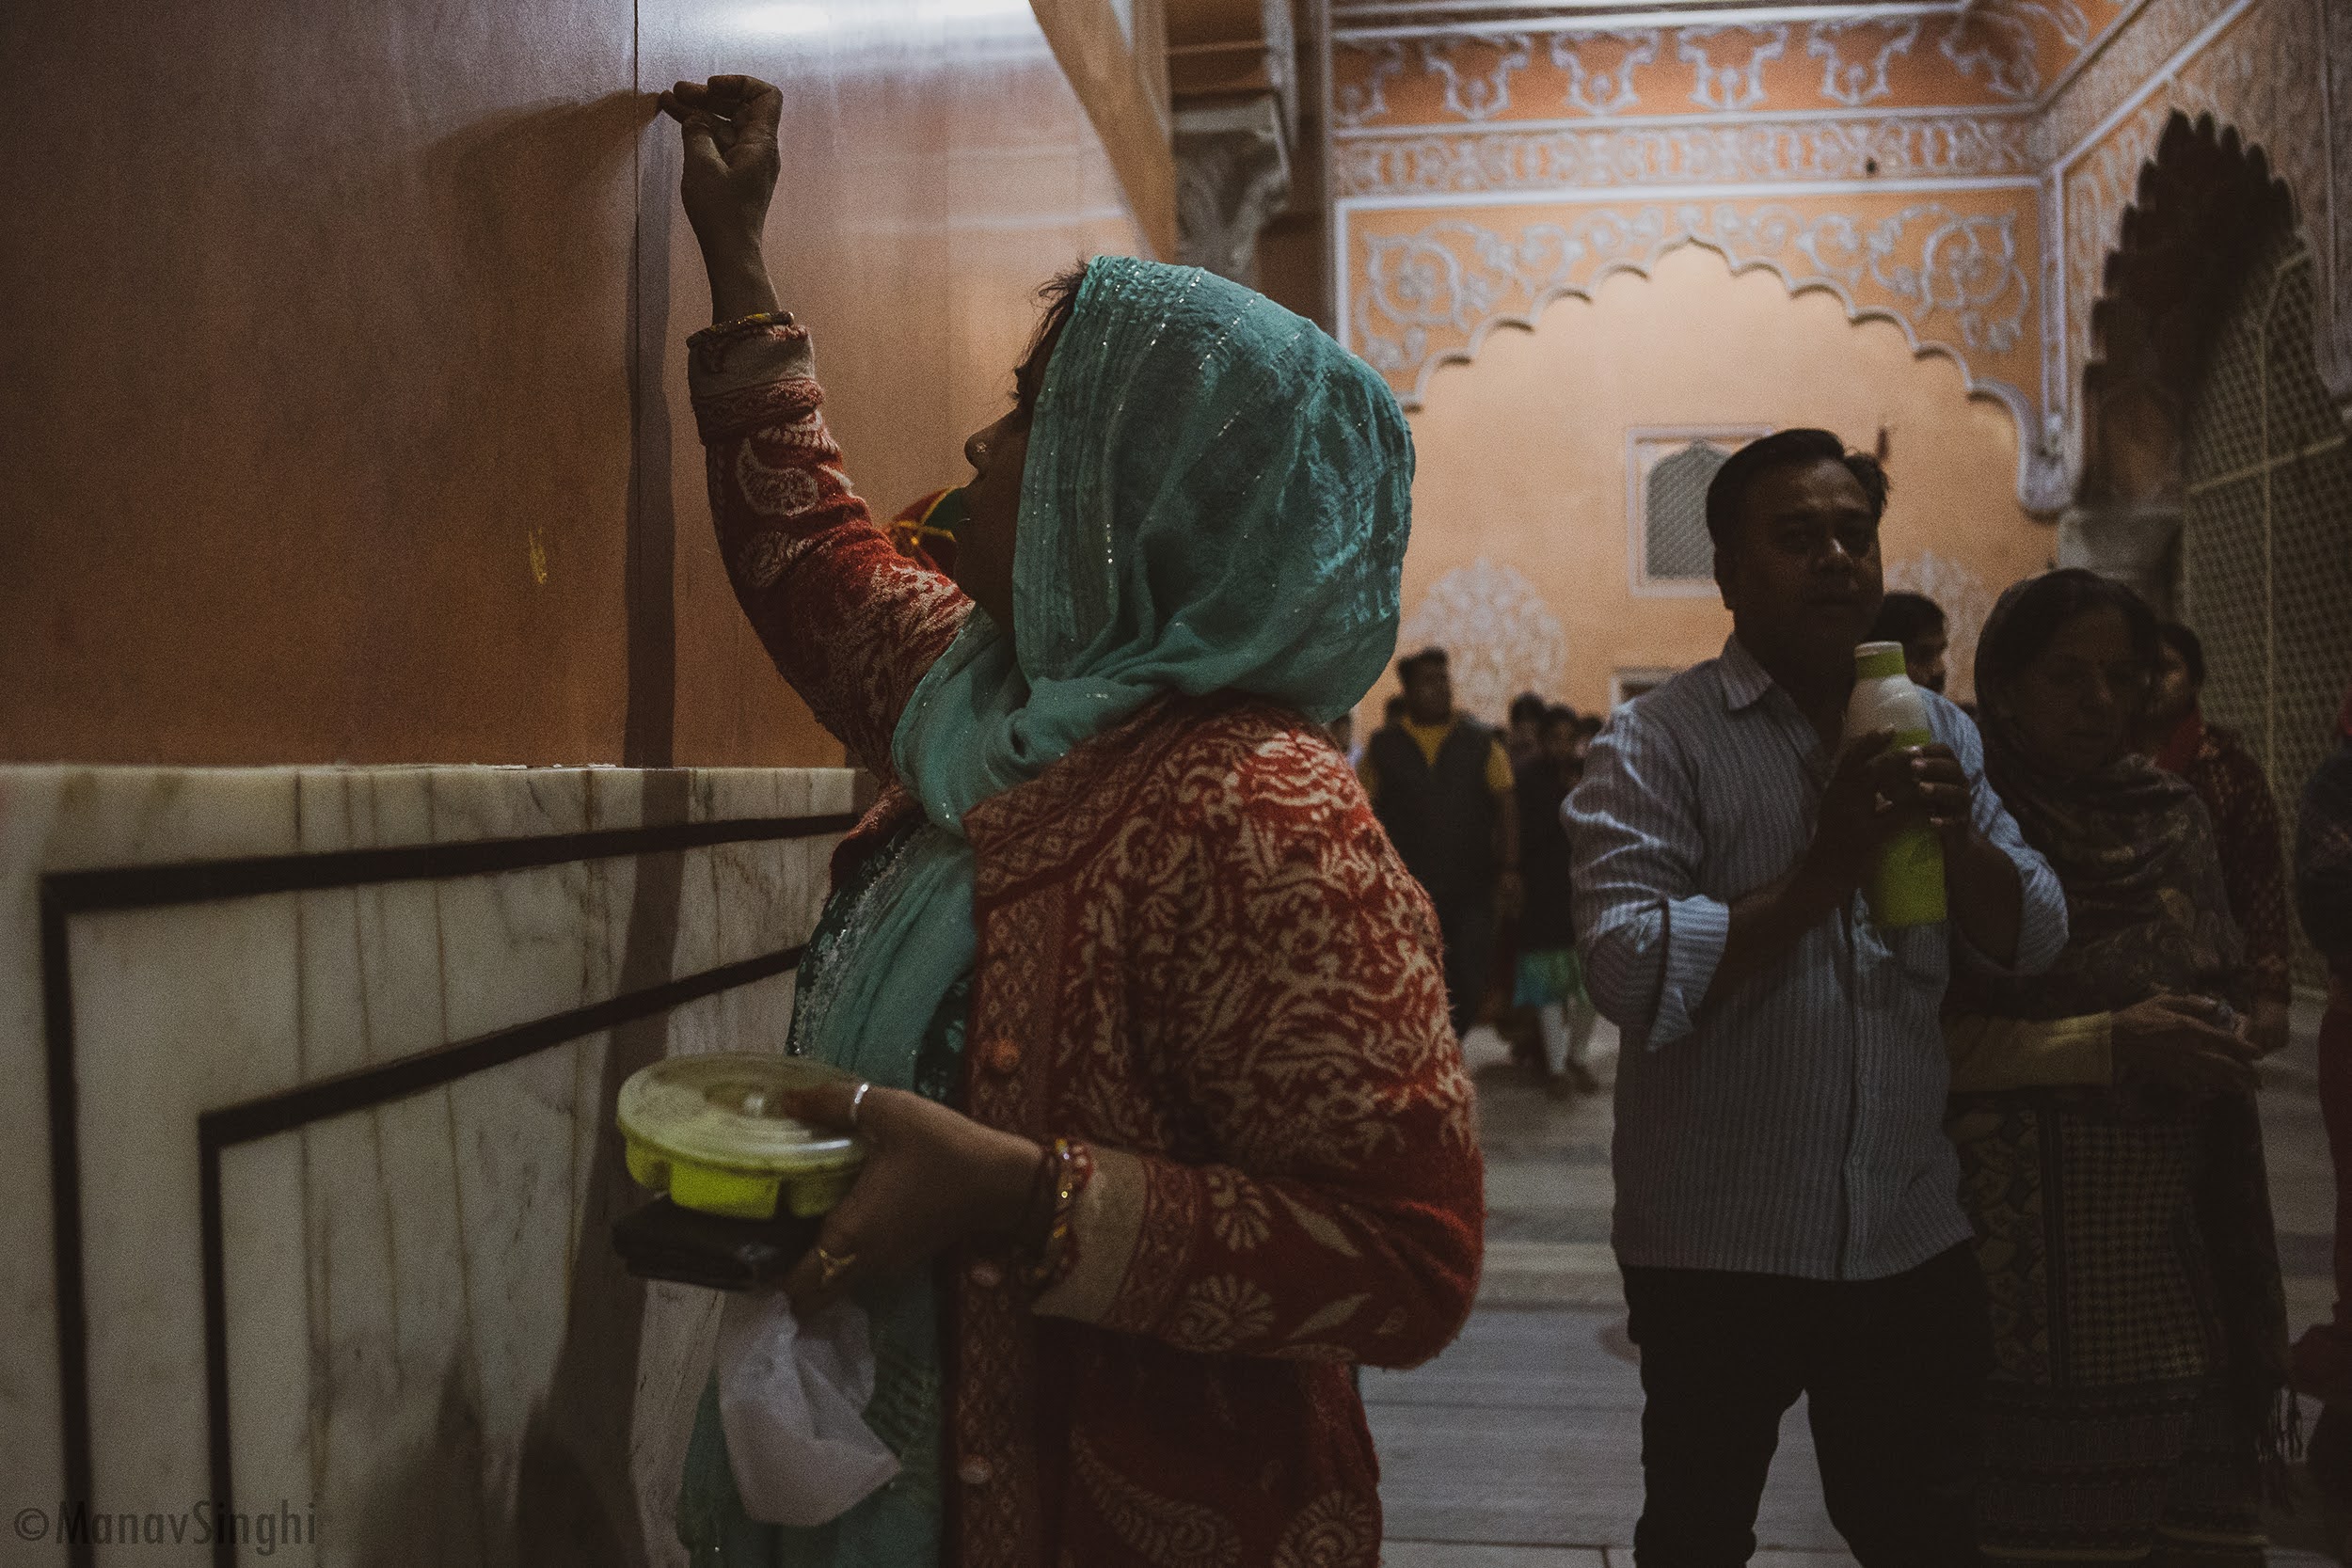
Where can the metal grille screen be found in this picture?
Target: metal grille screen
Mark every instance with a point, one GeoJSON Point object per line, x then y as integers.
{"type": "Point", "coordinates": [2266, 543]}
{"type": "Point", "coordinates": [1675, 547]}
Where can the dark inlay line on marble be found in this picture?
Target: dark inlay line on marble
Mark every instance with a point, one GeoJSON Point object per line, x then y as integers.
{"type": "Point", "coordinates": [65, 893]}
{"type": "Point", "coordinates": [365, 1088]}
{"type": "Point", "coordinates": [65, 1218]}
{"type": "Point", "coordinates": [148, 887]}
{"type": "Point", "coordinates": [368, 1087]}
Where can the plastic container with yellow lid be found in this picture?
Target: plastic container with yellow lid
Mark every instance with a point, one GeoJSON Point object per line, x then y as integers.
{"type": "Point", "coordinates": [711, 1132]}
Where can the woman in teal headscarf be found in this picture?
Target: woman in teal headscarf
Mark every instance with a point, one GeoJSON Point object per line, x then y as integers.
{"type": "Point", "coordinates": [1167, 1123]}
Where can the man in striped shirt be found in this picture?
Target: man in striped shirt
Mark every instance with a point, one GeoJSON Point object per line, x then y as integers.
{"type": "Point", "coordinates": [1788, 1207]}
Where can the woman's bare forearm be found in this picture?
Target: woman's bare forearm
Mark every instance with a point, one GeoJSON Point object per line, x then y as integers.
{"type": "Point", "coordinates": [740, 285]}
{"type": "Point", "coordinates": [728, 127]}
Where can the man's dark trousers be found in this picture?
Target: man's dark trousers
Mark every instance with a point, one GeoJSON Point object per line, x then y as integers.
{"type": "Point", "coordinates": [1467, 925]}
{"type": "Point", "coordinates": [1893, 1371]}
{"type": "Point", "coordinates": [1441, 819]}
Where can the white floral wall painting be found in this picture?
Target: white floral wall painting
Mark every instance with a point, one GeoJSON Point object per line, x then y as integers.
{"type": "Point", "coordinates": [1500, 637]}
{"type": "Point", "coordinates": [1603, 90]}
{"type": "Point", "coordinates": [1721, 79]}
{"type": "Point", "coordinates": [1856, 83]}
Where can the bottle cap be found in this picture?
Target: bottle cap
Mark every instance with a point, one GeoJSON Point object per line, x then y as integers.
{"type": "Point", "coordinates": [1873, 660]}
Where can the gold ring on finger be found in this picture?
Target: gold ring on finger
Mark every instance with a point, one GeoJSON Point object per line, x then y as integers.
{"type": "Point", "coordinates": [830, 1267]}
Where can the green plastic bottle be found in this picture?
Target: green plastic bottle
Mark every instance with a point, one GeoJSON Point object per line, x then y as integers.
{"type": "Point", "coordinates": [1906, 886]}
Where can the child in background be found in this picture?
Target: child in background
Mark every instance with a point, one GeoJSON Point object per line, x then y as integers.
{"type": "Point", "coordinates": [1550, 978]}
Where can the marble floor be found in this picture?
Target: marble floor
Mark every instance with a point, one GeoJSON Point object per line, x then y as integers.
{"type": "Point", "coordinates": [1519, 1447]}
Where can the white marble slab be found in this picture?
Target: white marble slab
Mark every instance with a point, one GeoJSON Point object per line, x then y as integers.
{"type": "Point", "coordinates": [431, 1353]}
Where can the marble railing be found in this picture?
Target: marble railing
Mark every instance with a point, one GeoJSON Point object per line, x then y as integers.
{"type": "Point", "coordinates": [310, 1155]}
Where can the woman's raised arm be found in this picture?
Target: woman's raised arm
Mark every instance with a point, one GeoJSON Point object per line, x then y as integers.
{"type": "Point", "coordinates": [850, 622]}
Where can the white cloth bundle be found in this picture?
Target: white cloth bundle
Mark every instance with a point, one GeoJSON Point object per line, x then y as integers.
{"type": "Point", "coordinates": [791, 1398]}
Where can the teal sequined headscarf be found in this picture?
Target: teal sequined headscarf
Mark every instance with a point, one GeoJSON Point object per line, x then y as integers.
{"type": "Point", "coordinates": [1217, 498]}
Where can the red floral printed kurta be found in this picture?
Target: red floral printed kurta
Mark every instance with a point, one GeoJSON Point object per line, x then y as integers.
{"type": "Point", "coordinates": [1198, 954]}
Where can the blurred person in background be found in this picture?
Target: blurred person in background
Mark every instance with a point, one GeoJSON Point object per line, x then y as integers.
{"type": "Point", "coordinates": [1587, 730]}
{"type": "Point", "coordinates": [1523, 737]}
{"type": "Point", "coordinates": [1917, 623]}
{"type": "Point", "coordinates": [1341, 732]}
{"type": "Point", "coordinates": [2237, 792]}
{"type": "Point", "coordinates": [2323, 897]}
{"type": "Point", "coordinates": [1549, 977]}
{"type": "Point", "coordinates": [1441, 782]}
{"type": "Point", "coordinates": [1523, 742]}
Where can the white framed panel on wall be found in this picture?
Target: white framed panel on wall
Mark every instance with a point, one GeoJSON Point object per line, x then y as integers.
{"type": "Point", "coordinates": [330, 1056]}
{"type": "Point", "coordinates": [1626, 685]}
{"type": "Point", "coordinates": [1667, 467]}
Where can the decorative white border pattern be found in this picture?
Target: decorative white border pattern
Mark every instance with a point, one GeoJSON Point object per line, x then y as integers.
{"type": "Point", "coordinates": [1763, 150]}
{"type": "Point", "coordinates": [2125, 65]}
{"type": "Point", "coordinates": [1729, 88]}
{"type": "Point", "coordinates": [1602, 93]}
{"type": "Point", "coordinates": [1849, 82]}
{"type": "Point", "coordinates": [1999, 47]}
{"type": "Point", "coordinates": [1353, 104]}
{"type": "Point", "coordinates": [1476, 98]}
{"type": "Point", "coordinates": [1998, 44]}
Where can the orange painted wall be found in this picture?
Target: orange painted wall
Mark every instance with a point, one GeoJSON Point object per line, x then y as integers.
{"type": "Point", "coordinates": [342, 364]}
{"type": "Point", "coordinates": [1522, 451]}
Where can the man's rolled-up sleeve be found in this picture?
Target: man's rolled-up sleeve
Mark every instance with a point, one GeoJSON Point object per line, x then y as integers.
{"type": "Point", "coordinates": [2041, 929]}
{"type": "Point", "coordinates": [1650, 938]}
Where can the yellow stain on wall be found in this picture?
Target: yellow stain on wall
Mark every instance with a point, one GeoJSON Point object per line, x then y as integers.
{"type": "Point", "coordinates": [538, 558]}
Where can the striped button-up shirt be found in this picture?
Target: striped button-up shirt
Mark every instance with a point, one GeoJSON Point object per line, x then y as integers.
{"type": "Point", "coordinates": [1796, 1126]}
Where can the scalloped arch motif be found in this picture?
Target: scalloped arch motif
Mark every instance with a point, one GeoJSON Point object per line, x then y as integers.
{"type": "Point", "coordinates": [1956, 281]}
{"type": "Point", "coordinates": [2107, 75]}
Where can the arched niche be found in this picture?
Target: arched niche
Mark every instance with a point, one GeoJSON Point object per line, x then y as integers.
{"type": "Point", "coordinates": [2206, 203]}
{"type": "Point", "coordinates": [2217, 473]}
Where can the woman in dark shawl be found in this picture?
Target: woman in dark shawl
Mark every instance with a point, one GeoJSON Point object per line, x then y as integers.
{"type": "Point", "coordinates": [2112, 1159]}
{"type": "Point", "coordinates": [2323, 897]}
